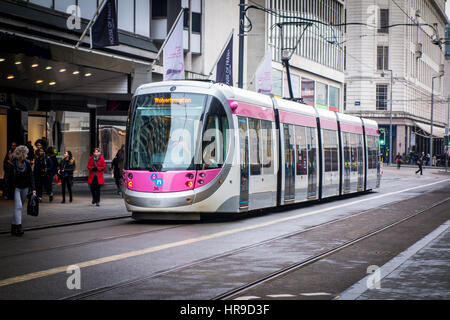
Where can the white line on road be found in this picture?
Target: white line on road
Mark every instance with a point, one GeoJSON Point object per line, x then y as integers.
{"type": "Point", "coordinates": [126, 255]}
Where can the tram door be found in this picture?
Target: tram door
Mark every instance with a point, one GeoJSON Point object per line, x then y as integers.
{"type": "Point", "coordinates": [244, 163]}
{"type": "Point", "coordinates": [289, 163]}
{"type": "Point", "coordinates": [312, 163]}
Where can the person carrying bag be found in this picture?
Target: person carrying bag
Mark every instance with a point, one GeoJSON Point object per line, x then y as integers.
{"type": "Point", "coordinates": [19, 177]}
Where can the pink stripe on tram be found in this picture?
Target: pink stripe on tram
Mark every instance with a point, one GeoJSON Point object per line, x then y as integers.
{"type": "Point", "coordinates": [372, 132]}
{"type": "Point", "coordinates": [253, 111]}
{"type": "Point", "coordinates": [299, 119]}
{"type": "Point", "coordinates": [351, 128]}
{"type": "Point", "coordinates": [328, 124]}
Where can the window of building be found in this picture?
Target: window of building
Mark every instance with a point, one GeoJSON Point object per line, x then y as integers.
{"type": "Point", "coordinates": [345, 96]}
{"type": "Point", "coordinates": [384, 21]}
{"type": "Point", "coordinates": [277, 82]}
{"type": "Point", "coordinates": [308, 90]}
{"type": "Point", "coordinates": [159, 8]}
{"type": "Point", "coordinates": [382, 58]}
{"type": "Point", "coordinates": [381, 97]}
{"type": "Point", "coordinates": [334, 99]}
{"type": "Point", "coordinates": [321, 95]}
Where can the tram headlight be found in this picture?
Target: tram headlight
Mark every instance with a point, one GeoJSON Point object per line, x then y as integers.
{"type": "Point", "coordinates": [130, 184]}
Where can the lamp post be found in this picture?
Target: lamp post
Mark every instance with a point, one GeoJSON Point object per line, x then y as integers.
{"type": "Point", "coordinates": [440, 74]}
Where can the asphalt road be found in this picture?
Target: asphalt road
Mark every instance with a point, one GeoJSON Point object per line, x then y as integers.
{"type": "Point", "coordinates": [203, 260]}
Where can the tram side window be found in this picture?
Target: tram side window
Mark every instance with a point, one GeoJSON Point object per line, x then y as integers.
{"type": "Point", "coordinates": [312, 149]}
{"type": "Point", "coordinates": [267, 145]}
{"type": "Point", "coordinates": [373, 152]}
{"type": "Point", "coordinates": [360, 153]}
{"type": "Point", "coordinates": [254, 127]}
{"type": "Point", "coordinates": [330, 150]}
{"type": "Point", "coordinates": [214, 144]}
{"type": "Point", "coordinates": [354, 150]}
{"type": "Point", "coordinates": [302, 158]}
{"type": "Point", "coordinates": [347, 151]}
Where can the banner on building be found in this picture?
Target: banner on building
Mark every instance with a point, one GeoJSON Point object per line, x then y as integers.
{"type": "Point", "coordinates": [224, 73]}
{"type": "Point", "coordinates": [104, 31]}
{"type": "Point", "coordinates": [263, 75]}
{"type": "Point", "coordinates": [173, 54]}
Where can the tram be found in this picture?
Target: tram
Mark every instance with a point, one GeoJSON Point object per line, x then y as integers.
{"type": "Point", "coordinates": [195, 147]}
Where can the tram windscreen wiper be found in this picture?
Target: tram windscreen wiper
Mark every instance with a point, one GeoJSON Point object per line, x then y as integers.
{"type": "Point", "coordinates": [154, 167]}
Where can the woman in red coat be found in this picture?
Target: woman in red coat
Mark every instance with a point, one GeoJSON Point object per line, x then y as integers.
{"type": "Point", "coordinates": [96, 165]}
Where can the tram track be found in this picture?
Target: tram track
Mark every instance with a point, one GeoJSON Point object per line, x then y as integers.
{"type": "Point", "coordinates": [316, 258]}
{"type": "Point", "coordinates": [292, 267]}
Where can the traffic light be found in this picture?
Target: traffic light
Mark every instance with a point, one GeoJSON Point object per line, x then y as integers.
{"type": "Point", "coordinates": [382, 140]}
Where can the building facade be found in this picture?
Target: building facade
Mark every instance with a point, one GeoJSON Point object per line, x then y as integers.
{"type": "Point", "coordinates": [390, 52]}
{"type": "Point", "coordinates": [317, 57]}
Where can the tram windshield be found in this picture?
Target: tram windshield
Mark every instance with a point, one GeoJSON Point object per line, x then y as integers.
{"type": "Point", "coordinates": [164, 131]}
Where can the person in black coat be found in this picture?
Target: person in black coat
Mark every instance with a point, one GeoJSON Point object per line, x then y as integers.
{"type": "Point", "coordinates": [19, 177]}
{"type": "Point", "coordinates": [117, 166]}
{"type": "Point", "coordinates": [420, 162]}
{"type": "Point", "coordinates": [43, 169]}
{"type": "Point", "coordinates": [65, 173]}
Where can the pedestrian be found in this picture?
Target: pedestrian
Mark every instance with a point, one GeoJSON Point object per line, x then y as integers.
{"type": "Point", "coordinates": [43, 170]}
{"type": "Point", "coordinates": [117, 166]}
{"type": "Point", "coordinates": [8, 193]}
{"type": "Point", "coordinates": [30, 156]}
{"type": "Point", "coordinates": [19, 177]}
{"type": "Point", "coordinates": [96, 166]}
{"type": "Point", "coordinates": [52, 156]}
{"type": "Point", "coordinates": [38, 145]}
{"type": "Point", "coordinates": [65, 174]}
{"type": "Point", "coordinates": [420, 162]}
{"type": "Point", "coordinates": [398, 159]}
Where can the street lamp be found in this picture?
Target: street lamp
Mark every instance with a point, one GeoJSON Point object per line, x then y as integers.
{"type": "Point", "coordinates": [440, 74]}
{"type": "Point", "coordinates": [390, 120]}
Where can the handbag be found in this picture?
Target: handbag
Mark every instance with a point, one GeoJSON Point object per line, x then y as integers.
{"type": "Point", "coordinates": [33, 206]}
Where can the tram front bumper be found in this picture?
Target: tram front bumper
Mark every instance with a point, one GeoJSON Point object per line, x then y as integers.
{"type": "Point", "coordinates": [157, 202]}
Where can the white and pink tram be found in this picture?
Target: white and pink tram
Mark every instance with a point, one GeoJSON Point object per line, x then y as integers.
{"type": "Point", "coordinates": [198, 147]}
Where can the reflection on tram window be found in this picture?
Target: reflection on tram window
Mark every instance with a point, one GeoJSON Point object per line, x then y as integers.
{"type": "Point", "coordinates": [255, 137]}
{"type": "Point", "coordinates": [267, 143]}
{"type": "Point", "coordinates": [164, 131]}
{"type": "Point", "coordinates": [330, 145]}
{"type": "Point", "coordinates": [302, 158]}
{"type": "Point", "coordinates": [215, 140]}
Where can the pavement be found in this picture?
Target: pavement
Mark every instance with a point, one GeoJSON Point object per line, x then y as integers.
{"type": "Point", "coordinates": [79, 211]}
{"type": "Point", "coordinates": [418, 273]}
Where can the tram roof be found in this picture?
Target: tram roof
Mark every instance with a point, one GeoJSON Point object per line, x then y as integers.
{"type": "Point", "coordinates": [295, 107]}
